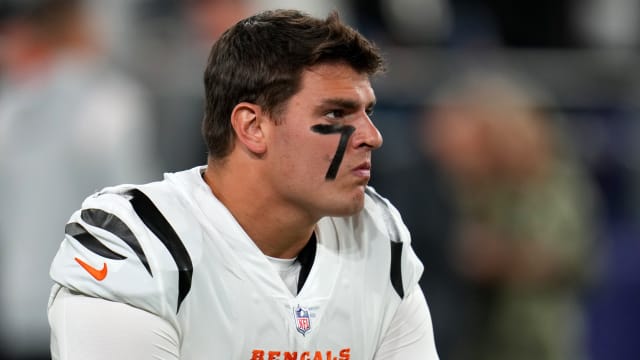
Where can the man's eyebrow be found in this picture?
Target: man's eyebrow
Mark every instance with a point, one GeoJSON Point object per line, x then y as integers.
{"type": "Point", "coordinates": [345, 103]}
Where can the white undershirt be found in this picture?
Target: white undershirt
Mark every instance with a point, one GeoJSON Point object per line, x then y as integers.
{"type": "Point", "coordinates": [289, 270]}
{"type": "Point", "coordinates": [74, 335]}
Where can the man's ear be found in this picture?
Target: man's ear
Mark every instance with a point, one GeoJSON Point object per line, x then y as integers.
{"type": "Point", "coordinates": [247, 120]}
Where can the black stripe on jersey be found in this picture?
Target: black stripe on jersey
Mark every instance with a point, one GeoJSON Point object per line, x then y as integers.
{"type": "Point", "coordinates": [113, 224]}
{"type": "Point", "coordinates": [89, 241]}
{"type": "Point", "coordinates": [396, 244]}
{"type": "Point", "coordinates": [306, 257]}
{"type": "Point", "coordinates": [396, 267]}
{"type": "Point", "coordinates": [158, 224]}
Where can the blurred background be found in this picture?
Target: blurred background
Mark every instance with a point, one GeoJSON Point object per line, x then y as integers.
{"type": "Point", "coordinates": [511, 149]}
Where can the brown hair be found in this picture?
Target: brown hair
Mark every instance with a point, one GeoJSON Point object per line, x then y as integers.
{"type": "Point", "coordinates": [261, 60]}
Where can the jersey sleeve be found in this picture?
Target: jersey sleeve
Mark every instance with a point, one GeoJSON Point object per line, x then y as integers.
{"type": "Point", "coordinates": [410, 334]}
{"type": "Point", "coordinates": [85, 327]}
{"type": "Point", "coordinates": [406, 267]}
{"type": "Point", "coordinates": [110, 252]}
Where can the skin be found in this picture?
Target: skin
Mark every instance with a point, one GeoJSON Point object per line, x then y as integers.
{"type": "Point", "coordinates": [274, 181]}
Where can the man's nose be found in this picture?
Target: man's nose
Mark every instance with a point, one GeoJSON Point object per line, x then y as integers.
{"type": "Point", "coordinates": [368, 134]}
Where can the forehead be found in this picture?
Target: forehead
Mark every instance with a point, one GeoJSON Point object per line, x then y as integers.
{"type": "Point", "coordinates": [335, 81]}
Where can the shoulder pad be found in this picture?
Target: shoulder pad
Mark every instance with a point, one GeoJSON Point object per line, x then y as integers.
{"type": "Point", "coordinates": [122, 247]}
{"type": "Point", "coordinates": [406, 268]}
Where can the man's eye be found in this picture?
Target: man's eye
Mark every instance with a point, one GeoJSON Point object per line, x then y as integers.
{"type": "Point", "coordinates": [369, 112]}
{"type": "Point", "coordinates": [335, 114]}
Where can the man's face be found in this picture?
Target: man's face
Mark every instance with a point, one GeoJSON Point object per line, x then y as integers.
{"type": "Point", "coordinates": [320, 151]}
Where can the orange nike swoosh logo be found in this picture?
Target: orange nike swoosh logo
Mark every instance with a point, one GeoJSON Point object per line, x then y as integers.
{"type": "Point", "coordinates": [97, 274]}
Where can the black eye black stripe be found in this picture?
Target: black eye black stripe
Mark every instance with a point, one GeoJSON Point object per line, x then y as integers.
{"type": "Point", "coordinates": [113, 224]}
{"type": "Point", "coordinates": [91, 242]}
{"type": "Point", "coordinates": [345, 132]}
{"type": "Point", "coordinates": [158, 224]}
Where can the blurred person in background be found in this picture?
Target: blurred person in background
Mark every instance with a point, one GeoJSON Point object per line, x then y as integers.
{"type": "Point", "coordinates": [177, 36]}
{"type": "Point", "coordinates": [525, 218]}
{"type": "Point", "coordinates": [69, 124]}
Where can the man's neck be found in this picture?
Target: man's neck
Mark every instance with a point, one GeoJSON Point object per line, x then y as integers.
{"type": "Point", "coordinates": [279, 229]}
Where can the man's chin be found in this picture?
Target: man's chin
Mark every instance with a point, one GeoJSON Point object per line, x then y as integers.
{"type": "Point", "coordinates": [350, 209]}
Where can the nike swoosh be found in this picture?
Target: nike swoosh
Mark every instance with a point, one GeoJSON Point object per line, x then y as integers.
{"type": "Point", "coordinates": [97, 274]}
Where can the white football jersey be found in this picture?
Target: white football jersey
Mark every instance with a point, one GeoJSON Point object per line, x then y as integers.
{"type": "Point", "coordinates": [171, 248]}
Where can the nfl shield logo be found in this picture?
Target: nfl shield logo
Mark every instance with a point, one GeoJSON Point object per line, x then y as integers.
{"type": "Point", "coordinates": [303, 323]}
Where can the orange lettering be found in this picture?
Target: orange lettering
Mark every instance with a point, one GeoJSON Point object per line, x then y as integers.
{"type": "Point", "coordinates": [257, 355]}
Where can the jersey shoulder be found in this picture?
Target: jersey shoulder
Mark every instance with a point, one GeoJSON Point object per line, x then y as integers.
{"type": "Point", "coordinates": [131, 244]}
{"type": "Point", "coordinates": [405, 267]}
{"type": "Point", "coordinates": [385, 216]}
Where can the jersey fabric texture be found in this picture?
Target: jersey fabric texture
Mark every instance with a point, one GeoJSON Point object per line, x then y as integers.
{"type": "Point", "coordinates": [172, 249]}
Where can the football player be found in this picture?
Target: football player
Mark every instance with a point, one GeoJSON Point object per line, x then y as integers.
{"type": "Point", "coordinates": [276, 248]}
